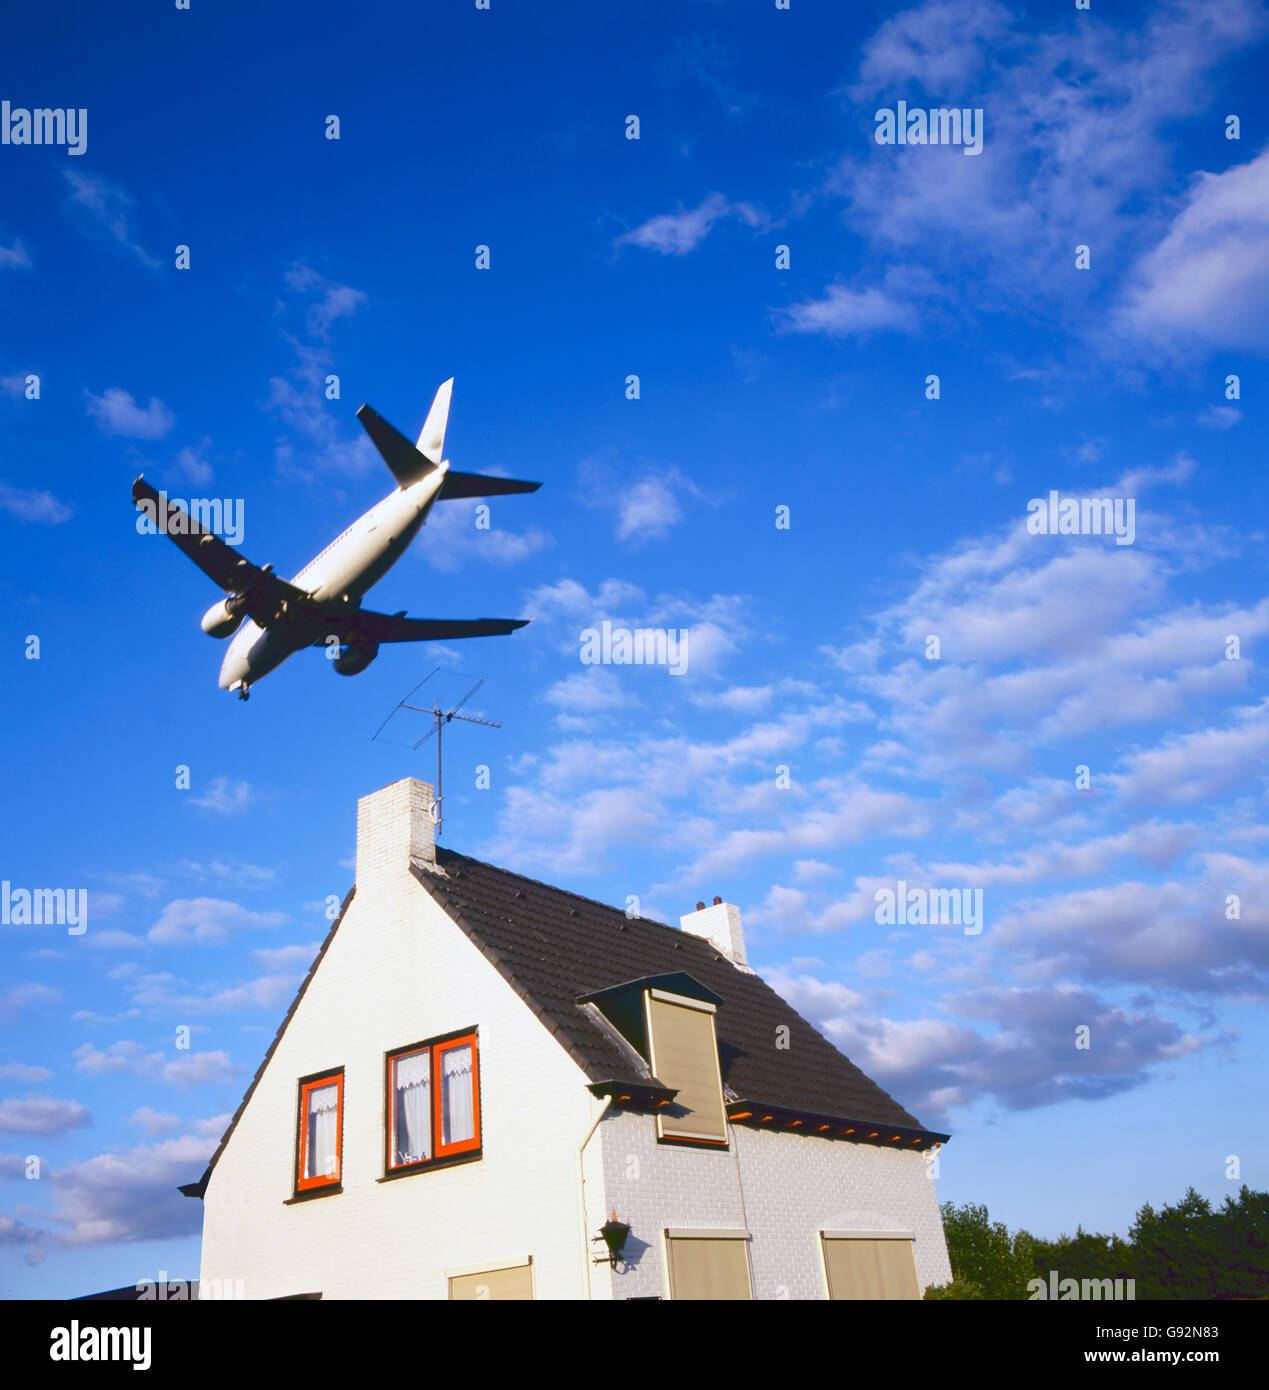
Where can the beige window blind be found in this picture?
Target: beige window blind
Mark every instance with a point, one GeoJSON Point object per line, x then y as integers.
{"type": "Point", "coordinates": [871, 1269]}
{"type": "Point", "coordinates": [713, 1269]}
{"type": "Point", "coordinates": [685, 1057]}
{"type": "Point", "coordinates": [516, 1282]}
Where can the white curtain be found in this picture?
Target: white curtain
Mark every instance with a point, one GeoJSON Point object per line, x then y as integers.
{"type": "Point", "coordinates": [323, 1118]}
{"type": "Point", "coordinates": [458, 1113]}
{"type": "Point", "coordinates": [413, 1102]}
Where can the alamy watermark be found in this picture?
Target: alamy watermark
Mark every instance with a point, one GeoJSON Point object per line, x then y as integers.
{"type": "Point", "coordinates": [902, 906]}
{"type": "Point", "coordinates": [1083, 516]}
{"type": "Point", "coordinates": [941, 125]}
{"type": "Point", "coordinates": [75, 1343]}
{"type": "Point", "coordinates": [607, 645]}
{"type": "Point", "coordinates": [1093, 1290]}
{"type": "Point", "coordinates": [174, 516]}
{"type": "Point", "coordinates": [44, 907]}
{"type": "Point", "coordinates": [45, 125]}
{"type": "Point", "coordinates": [165, 1290]}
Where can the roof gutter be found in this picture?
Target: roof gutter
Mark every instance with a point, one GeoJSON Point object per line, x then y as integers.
{"type": "Point", "coordinates": [763, 1115]}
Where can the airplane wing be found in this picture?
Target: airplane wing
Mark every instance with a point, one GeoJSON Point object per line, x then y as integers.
{"type": "Point", "coordinates": [265, 593]}
{"type": "Point", "coordinates": [480, 485]}
{"type": "Point", "coordinates": [362, 626]}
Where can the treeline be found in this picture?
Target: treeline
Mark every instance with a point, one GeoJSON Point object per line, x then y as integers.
{"type": "Point", "coordinates": [1188, 1250]}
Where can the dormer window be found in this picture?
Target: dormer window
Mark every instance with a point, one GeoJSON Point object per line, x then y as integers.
{"type": "Point", "coordinates": [683, 1054]}
{"type": "Point", "coordinates": [321, 1132]}
{"type": "Point", "coordinates": [433, 1103]}
{"type": "Point", "coordinates": [669, 1021]}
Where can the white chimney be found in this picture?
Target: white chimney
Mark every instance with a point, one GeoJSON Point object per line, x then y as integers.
{"type": "Point", "coordinates": [394, 826]}
{"type": "Point", "coordinates": [720, 925]}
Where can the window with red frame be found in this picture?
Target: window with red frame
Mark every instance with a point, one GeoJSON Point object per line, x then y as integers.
{"type": "Point", "coordinates": [433, 1102]}
{"type": "Point", "coordinates": [321, 1134]}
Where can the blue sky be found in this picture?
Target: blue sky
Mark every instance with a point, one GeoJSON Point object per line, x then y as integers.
{"type": "Point", "coordinates": [760, 388]}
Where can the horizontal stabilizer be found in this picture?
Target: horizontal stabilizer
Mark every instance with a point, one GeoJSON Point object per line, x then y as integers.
{"type": "Point", "coordinates": [405, 461]}
{"type": "Point", "coordinates": [481, 485]}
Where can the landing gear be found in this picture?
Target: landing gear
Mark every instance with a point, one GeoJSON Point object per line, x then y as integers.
{"type": "Point", "coordinates": [244, 691]}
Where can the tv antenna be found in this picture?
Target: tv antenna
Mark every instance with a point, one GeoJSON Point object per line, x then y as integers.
{"type": "Point", "coordinates": [440, 717]}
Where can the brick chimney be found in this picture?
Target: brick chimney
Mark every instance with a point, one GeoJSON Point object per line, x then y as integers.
{"type": "Point", "coordinates": [394, 826]}
{"type": "Point", "coordinates": [719, 925]}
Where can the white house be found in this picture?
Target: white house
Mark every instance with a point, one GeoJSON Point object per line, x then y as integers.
{"type": "Point", "coordinates": [487, 1087]}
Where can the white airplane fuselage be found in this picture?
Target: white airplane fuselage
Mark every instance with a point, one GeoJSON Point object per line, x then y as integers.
{"type": "Point", "coordinates": [349, 566]}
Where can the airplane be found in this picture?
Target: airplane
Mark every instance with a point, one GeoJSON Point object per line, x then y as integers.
{"type": "Point", "coordinates": [321, 605]}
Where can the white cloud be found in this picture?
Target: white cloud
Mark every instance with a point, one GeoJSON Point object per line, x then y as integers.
{"type": "Point", "coordinates": [1077, 122]}
{"type": "Point", "coordinates": [192, 1069]}
{"type": "Point", "coordinates": [940, 45]}
{"type": "Point", "coordinates": [646, 505]}
{"type": "Point", "coordinates": [15, 1232]}
{"type": "Point", "coordinates": [1025, 1061]}
{"type": "Point", "coordinates": [225, 797]}
{"type": "Point", "coordinates": [17, 1071]}
{"type": "Point", "coordinates": [452, 536]}
{"type": "Point", "coordinates": [19, 997]}
{"type": "Point", "coordinates": [1206, 283]}
{"type": "Point", "coordinates": [1040, 643]}
{"type": "Point", "coordinates": [1200, 765]}
{"type": "Point", "coordinates": [153, 1122]}
{"type": "Point", "coordinates": [841, 311]}
{"type": "Point", "coordinates": [647, 510]}
{"type": "Point", "coordinates": [809, 870]}
{"type": "Point", "coordinates": [106, 210]}
{"type": "Point", "coordinates": [206, 921]}
{"type": "Point", "coordinates": [677, 233]}
{"type": "Point", "coordinates": [1171, 935]}
{"type": "Point", "coordinates": [14, 256]}
{"type": "Point", "coordinates": [40, 1114]}
{"type": "Point", "coordinates": [240, 874]}
{"type": "Point", "coordinates": [191, 464]}
{"type": "Point", "coordinates": [1220, 417]}
{"type": "Point", "coordinates": [292, 958]}
{"type": "Point", "coordinates": [589, 691]}
{"type": "Point", "coordinates": [114, 940]}
{"type": "Point", "coordinates": [330, 301]}
{"type": "Point", "coordinates": [33, 504]}
{"type": "Point", "coordinates": [316, 444]}
{"type": "Point", "coordinates": [132, 1194]}
{"type": "Point", "coordinates": [117, 413]}
{"type": "Point", "coordinates": [123, 1056]}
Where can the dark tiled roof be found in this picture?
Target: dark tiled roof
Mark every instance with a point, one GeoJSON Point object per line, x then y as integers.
{"type": "Point", "coordinates": [552, 947]}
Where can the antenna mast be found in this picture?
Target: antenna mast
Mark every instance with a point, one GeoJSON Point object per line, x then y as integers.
{"type": "Point", "coordinates": [440, 718]}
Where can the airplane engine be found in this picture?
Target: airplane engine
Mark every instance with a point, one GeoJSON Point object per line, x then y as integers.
{"type": "Point", "coordinates": [220, 620]}
{"type": "Point", "coordinates": [353, 660]}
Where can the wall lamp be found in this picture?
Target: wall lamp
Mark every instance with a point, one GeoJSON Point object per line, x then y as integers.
{"type": "Point", "coordinates": [613, 1233]}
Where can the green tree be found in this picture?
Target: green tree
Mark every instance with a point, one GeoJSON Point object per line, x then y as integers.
{"type": "Point", "coordinates": [1176, 1249]}
{"type": "Point", "coordinates": [1085, 1255]}
{"type": "Point", "coordinates": [1243, 1242]}
{"type": "Point", "coordinates": [985, 1257]}
{"type": "Point", "coordinates": [1186, 1250]}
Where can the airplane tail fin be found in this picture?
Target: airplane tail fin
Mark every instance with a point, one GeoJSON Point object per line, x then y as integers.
{"type": "Point", "coordinates": [408, 462]}
{"type": "Point", "coordinates": [432, 441]}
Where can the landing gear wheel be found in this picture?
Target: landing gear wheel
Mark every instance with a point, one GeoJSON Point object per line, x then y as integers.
{"type": "Point", "coordinates": [244, 692]}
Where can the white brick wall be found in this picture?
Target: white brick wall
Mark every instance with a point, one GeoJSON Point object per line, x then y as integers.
{"type": "Point", "coordinates": [784, 1188]}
